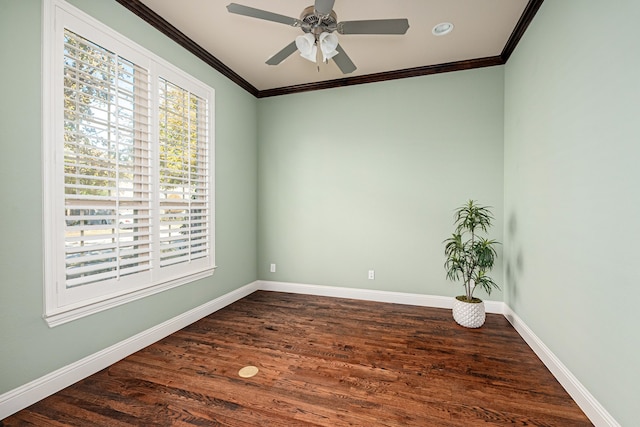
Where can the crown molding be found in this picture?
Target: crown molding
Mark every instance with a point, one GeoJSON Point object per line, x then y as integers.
{"type": "Point", "coordinates": [523, 23]}
{"type": "Point", "coordinates": [389, 75]}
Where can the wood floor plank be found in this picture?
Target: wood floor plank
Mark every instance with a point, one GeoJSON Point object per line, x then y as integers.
{"type": "Point", "coordinates": [322, 362]}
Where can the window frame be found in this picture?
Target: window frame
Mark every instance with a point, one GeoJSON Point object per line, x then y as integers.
{"type": "Point", "coordinates": [59, 306]}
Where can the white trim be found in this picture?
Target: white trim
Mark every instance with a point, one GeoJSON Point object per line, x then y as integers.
{"type": "Point", "coordinates": [495, 307]}
{"type": "Point", "coordinates": [21, 397]}
{"type": "Point", "coordinates": [30, 393]}
{"type": "Point", "coordinates": [585, 400]}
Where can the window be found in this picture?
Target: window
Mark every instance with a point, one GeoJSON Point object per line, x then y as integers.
{"type": "Point", "coordinates": [127, 167]}
{"type": "Point", "coordinates": [183, 171]}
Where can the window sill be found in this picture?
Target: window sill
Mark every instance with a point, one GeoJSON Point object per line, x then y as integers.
{"type": "Point", "coordinates": [65, 315]}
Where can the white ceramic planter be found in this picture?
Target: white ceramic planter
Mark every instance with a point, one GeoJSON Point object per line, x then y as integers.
{"type": "Point", "coordinates": [468, 314]}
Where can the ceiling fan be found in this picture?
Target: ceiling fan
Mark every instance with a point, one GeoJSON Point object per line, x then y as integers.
{"type": "Point", "coordinates": [319, 24]}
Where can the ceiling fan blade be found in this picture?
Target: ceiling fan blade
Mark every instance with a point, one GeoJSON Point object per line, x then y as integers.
{"type": "Point", "coordinates": [374, 26]}
{"type": "Point", "coordinates": [283, 54]}
{"type": "Point", "coordinates": [324, 7]}
{"type": "Point", "coordinates": [262, 14]}
{"type": "Point", "coordinates": [343, 61]}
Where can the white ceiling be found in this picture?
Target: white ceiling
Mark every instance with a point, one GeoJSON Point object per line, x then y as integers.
{"type": "Point", "coordinates": [481, 30]}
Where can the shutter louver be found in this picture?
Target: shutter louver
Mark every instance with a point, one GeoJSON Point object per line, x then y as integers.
{"type": "Point", "coordinates": [107, 164]}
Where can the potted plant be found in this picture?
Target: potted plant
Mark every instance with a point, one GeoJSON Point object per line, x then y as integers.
{"type": "Point", "coordinates": [470, 257]}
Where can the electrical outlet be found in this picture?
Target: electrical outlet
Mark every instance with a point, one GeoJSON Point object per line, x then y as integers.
{"type": "Point", "coordinates": [272, 268]}
{"type": "Point", "coordinates": [372, 274]}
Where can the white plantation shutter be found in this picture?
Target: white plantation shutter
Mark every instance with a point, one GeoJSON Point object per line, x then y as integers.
{"type": "Point", "coordinates": [184, 175]}
{"type": "Point", "coordinates": [127, 169]}
{"type": "Point", "coordinates": [106, 164]}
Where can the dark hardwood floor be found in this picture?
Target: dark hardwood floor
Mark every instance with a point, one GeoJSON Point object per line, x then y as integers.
{"type": "Point", "coordinates": [322, 362]}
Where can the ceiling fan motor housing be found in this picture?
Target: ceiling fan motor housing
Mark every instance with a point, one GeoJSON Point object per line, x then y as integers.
{"type": "Point", "coordinates": [316, 24]}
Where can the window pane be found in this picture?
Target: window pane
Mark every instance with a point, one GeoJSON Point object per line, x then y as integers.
{"type": "Point", "coordinates": [106, 164]}
{"type": "Point", "coordinates": [184, 175]}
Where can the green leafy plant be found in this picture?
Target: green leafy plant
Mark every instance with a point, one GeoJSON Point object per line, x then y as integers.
{"type": "Point", "coordinates": [471, 256]}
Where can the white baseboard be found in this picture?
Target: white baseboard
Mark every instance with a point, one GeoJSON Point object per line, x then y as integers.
{"type": "Point", "coordinates": [21, 397]}
{"type": "Point", "coordinates": [30, 393]}
{"type": "Point", "coordinates": [496, 307]}
{"type": "Point", "coordinates": [585, 400]}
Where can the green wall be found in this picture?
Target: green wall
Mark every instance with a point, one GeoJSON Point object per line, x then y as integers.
{"type": "Point", "coordinates": [367, 177]}
{"type": "Point", "coordinates": [30, 349]}
{"type": "Point", "coordinates": [572, 194]}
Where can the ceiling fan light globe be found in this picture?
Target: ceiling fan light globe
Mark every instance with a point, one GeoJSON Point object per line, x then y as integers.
{"type": "Point", "coordinates": [328, 41]}
{"type": "Point", "coordinates": [328, 45]}
{"type": "Point", "coordinates": [310, 55]}
{"type": "Point", "coordinates": [306, 44]}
